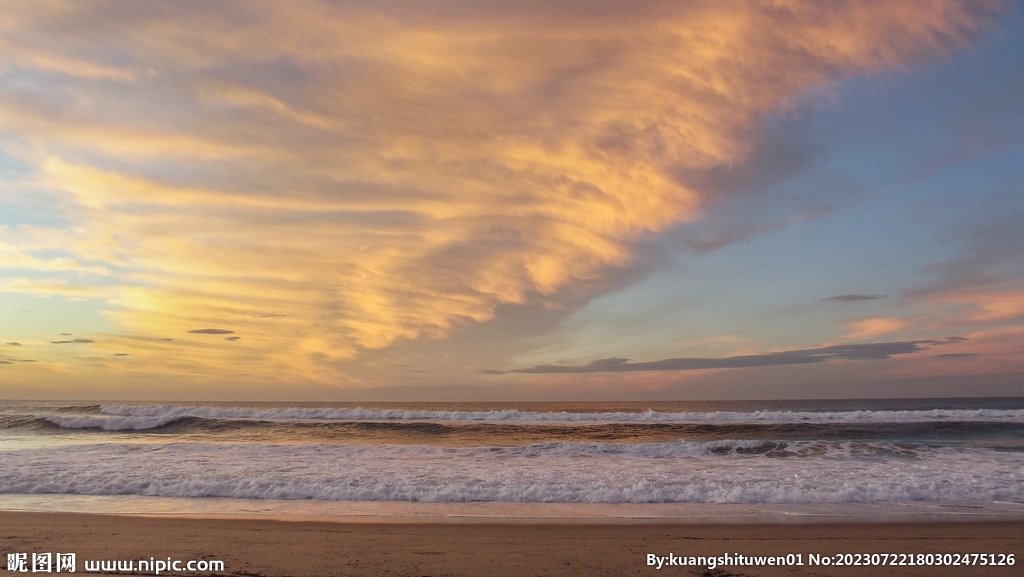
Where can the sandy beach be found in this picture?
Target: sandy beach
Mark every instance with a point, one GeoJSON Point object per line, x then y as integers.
{"type": "Point", "coordinates": [277, 548]}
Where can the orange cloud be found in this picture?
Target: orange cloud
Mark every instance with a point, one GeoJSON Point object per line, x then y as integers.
{"type": "Point", "coordinates": [370, 176]}
{"type": "Point", "coordinates": [985, 305]}
{"type": "Point", "coordinates": [875, 326]}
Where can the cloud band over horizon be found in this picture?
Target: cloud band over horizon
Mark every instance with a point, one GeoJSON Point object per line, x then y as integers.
{"type": "Point", "coordinates": [850, 352]}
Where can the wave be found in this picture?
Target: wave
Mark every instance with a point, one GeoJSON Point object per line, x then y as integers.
{"type": "Point", "coordinates": [110, 423]}
{"type": "Point", "coordinates": [736, 471]}
{"type": "Point", "coordinates": [22, 422]}
{"type": "Point", "coordinates": [995, 435]}
{"type": "Point", "coordinates": [140, 417]}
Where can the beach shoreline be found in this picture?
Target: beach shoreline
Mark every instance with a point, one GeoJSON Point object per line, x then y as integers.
{"type": "Point", "coordinates": [404, 512]}
{"type": "Point", "coordinates": [276, 547]}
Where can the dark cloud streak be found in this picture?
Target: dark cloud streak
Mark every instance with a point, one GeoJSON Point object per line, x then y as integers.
{"type": "Point", "coordinates": [853, 298]}
{"type": "Point", "coordinates": [854, 352]}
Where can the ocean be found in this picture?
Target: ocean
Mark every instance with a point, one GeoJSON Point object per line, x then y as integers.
{"type": "Point", "coordinates": [284, 455]}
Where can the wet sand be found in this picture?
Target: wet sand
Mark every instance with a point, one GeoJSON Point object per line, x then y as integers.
{"type": "Point", "coordinates": [260, 547]}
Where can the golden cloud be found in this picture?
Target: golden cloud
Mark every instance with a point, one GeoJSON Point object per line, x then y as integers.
{"type": "Point", "coordinates": [372, 175]}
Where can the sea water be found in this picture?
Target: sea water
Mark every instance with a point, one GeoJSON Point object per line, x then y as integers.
{"type": "Point", "coordinates": [307, 457]}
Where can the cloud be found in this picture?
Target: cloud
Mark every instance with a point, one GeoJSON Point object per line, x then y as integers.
{"type": "Point", "coordinates": [73, 341]}
{"type": "Point", "coordinates": [377, 175]}
{"type": "Point", "coordinates": [852, 352]}
{"type": "Point", "coordinates": [19, 56]}
{"type": "Point", "coordinates": [14, 344]}
{"type": "Point", "coordinates": [997, 302]}
{"type": "Point", "coordinates": [212, 331]}
{"type": "Point", "coordinates": [874, 326]}
{"type": "Point", "coordinates": [20, 257]}
{"type": "Point", "coordinates": [852, 298]}
{"type": "Point", "coordinates": [54, 287]}
{"type": "Point", "coordinates": [231, 338]}
{"type": "Point", "coordinates": [985, 284]}
{"type": "Point", "coordinates": [701, 244]}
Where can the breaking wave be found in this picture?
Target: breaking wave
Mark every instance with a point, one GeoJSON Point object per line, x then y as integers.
{"type": "Point", "coordinates": [136, 417]}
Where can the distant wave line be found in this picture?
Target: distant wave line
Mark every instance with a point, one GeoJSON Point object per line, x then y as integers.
{"type": "Point", "coordinates": [141, 417]}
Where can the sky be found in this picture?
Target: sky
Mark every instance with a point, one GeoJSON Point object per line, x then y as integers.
{"type": "Point", "coordinates": [535, 200]}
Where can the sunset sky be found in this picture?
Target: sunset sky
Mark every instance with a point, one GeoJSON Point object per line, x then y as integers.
{"type": "Point", "coordinates": [473, 200]}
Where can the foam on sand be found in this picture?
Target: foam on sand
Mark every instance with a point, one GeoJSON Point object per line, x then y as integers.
{"type": "Point", "coordinates": [680, 472]}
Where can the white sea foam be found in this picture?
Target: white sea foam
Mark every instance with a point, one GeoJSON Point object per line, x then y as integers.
{"type": "Point", "coordinates": [134, 416]}
{"type": "Point", "coordinates": [713, 472]}
{"type": "Point", "coordinates": [112, 423]}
